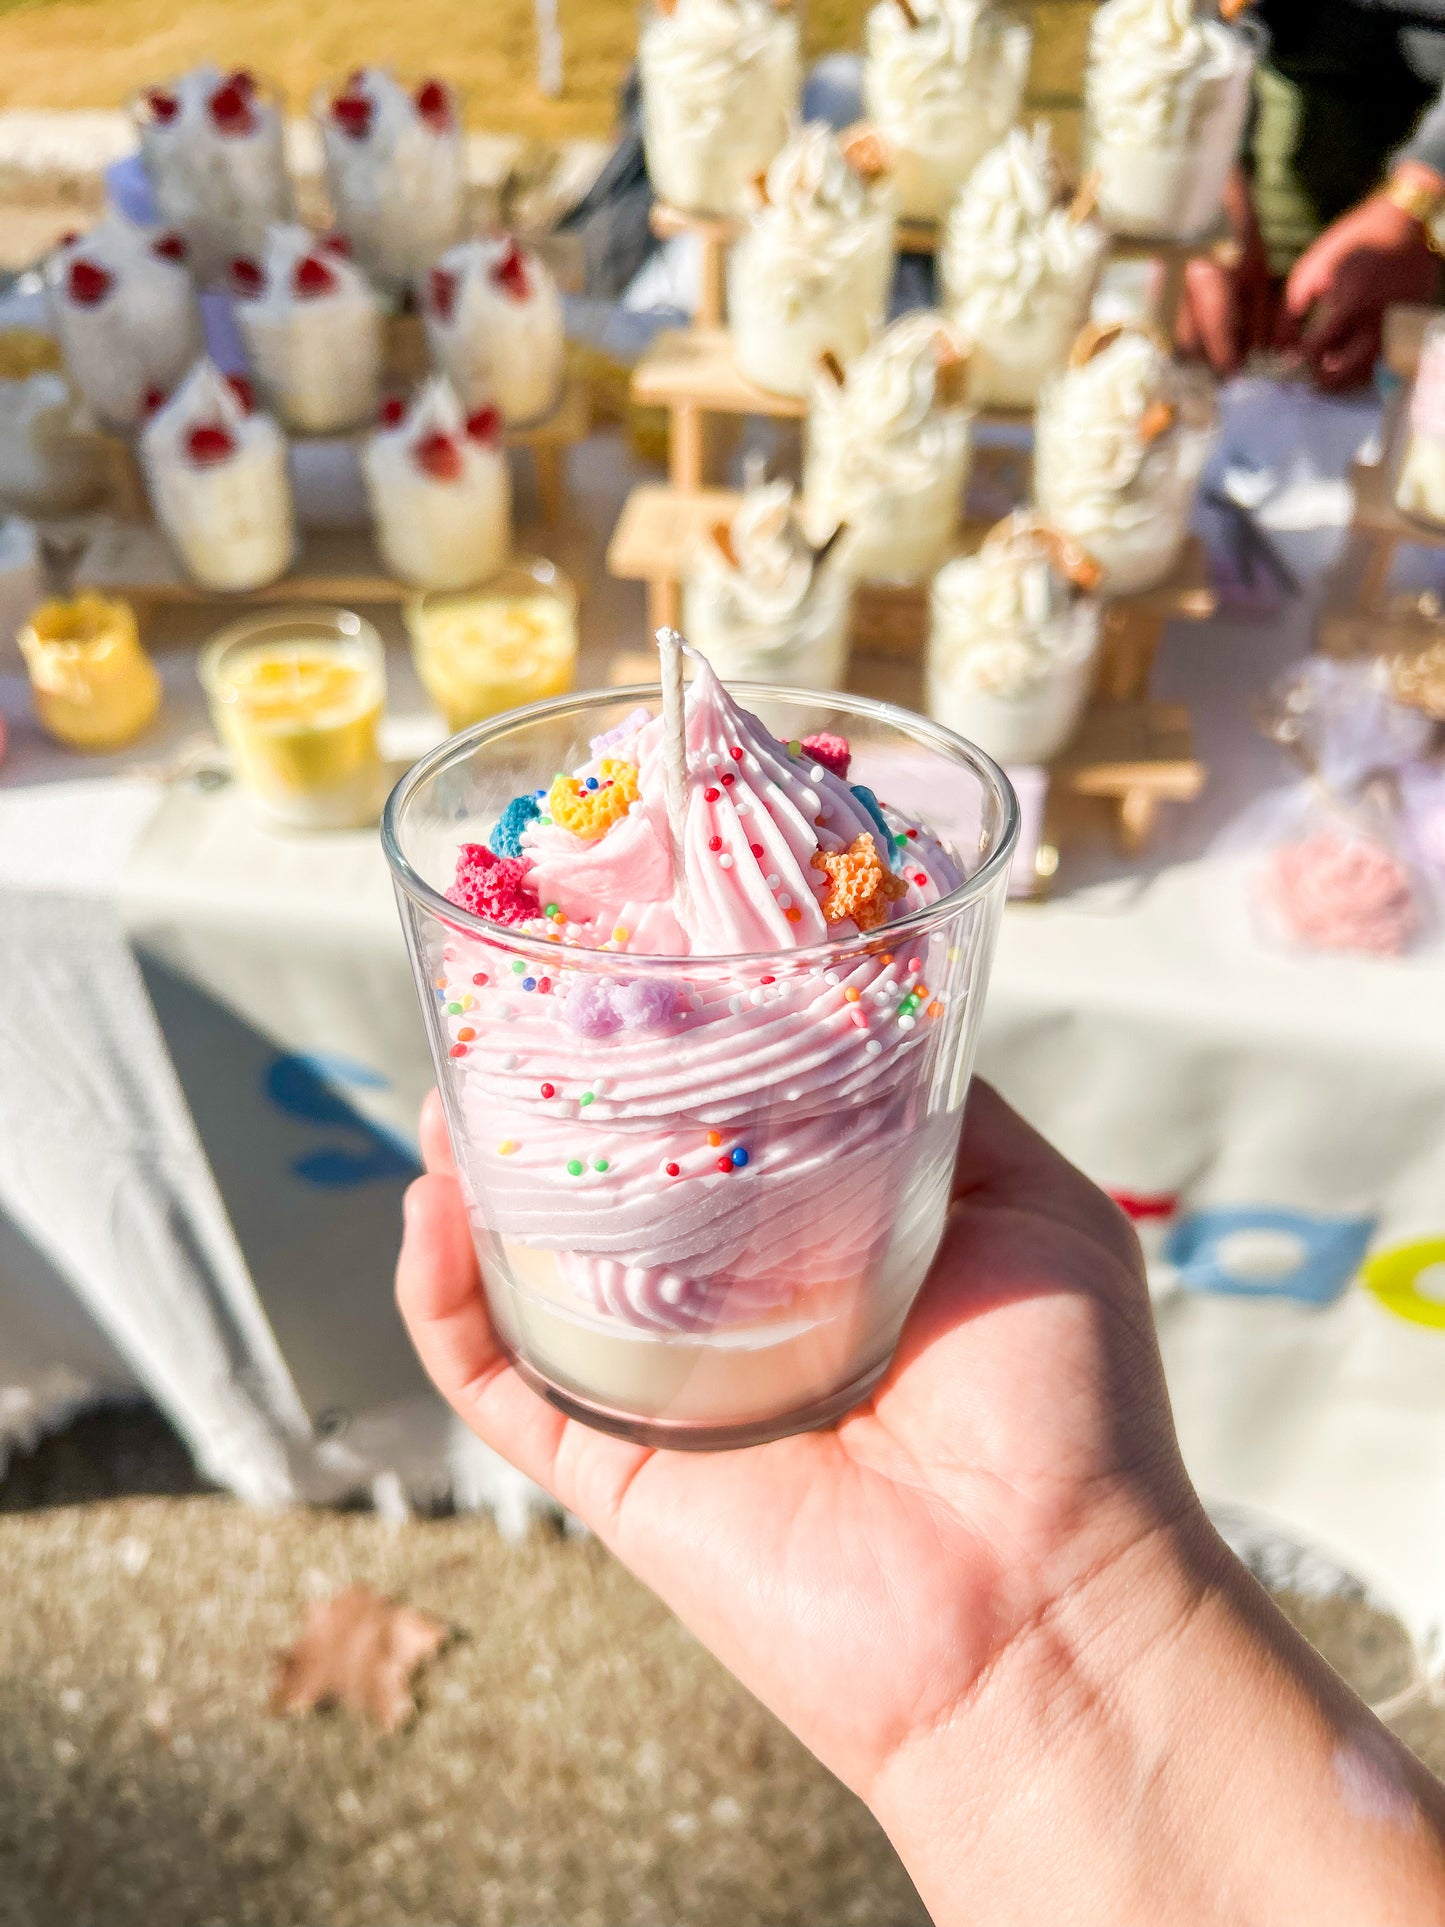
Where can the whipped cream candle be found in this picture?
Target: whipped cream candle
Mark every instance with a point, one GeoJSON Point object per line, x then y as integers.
{"type": "Point", "coordinates": [396, 171]}
{"type": "Point", "coordinates": [1011, 645]}
{"type": "Point", "coordinates": [887, 449]}
{"type": "Point", "coordinates": [763, 602]}
{"type": "Point", "coordinates": [1119, 443]}
{"type": "Point", "coordinates": [440, 491]}
{"type": "Point", "coordinates": [1018, 266]}
{"type": "Point", "coordinates": [212, 146]}
{"type": "Point", "coordinates": [720, 83]}
{"type": "Point", "coordinates": [702, 1002]}
{"type": "Point", "coordinates": [216, 471]}
{"type": "Point", "coordinates": [311, 324]}
{"type": "Point", "coordinates": [812, 273]}
{"type": "Point", "coordinates": [1166, 96]}
{"type": "Point", "coordinates": [943, 83]}
{"type": "Point", "coordinates": [126, 312]}
{"type": "Point", "coordinates": [494, 326]}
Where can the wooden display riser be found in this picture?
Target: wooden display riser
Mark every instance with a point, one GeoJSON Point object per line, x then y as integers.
{"type": "Point", "coordinates": [692, 374]}
{"type": "Point", "coordinates": [661, 527]}
{"type": "Point", "coordinates": [716, 234]}
{"type": "Point", "coordinates": [133, 560]}
{"type": "Point", "coordinates": [546, 442]}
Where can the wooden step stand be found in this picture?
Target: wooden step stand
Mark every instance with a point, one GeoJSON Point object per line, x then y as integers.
{"type": "Point", "coordinates": [1355, 620]}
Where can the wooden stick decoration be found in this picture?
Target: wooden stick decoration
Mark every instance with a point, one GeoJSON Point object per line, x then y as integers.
{"type": "Point", "coordinates": [906, 9]}
{"type": "Point", "coordinates": [670, 646]}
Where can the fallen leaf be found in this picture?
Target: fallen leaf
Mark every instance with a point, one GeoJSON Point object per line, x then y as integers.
{"type": "Point", "coordinates": [358, 1650]}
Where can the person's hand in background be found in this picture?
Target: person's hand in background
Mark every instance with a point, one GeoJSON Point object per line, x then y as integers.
{"type": "Point", "coordinates": [1337, 292]}
{"type": "Point", "coordinates": [1229, 301]}
{"type": "Point", "coordinates": [989, 1599]}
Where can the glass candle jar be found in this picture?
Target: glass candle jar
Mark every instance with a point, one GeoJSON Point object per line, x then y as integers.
{"type": "Point", "coordinates": [511, 641]}
{"type": "Point", "coordinates": [806, 644]}
{"type": "Point", "coordinates": [705, 1189]}
{"type": "Point", "coordinates": [94, 685]}
{"type": "Point", "coordinates": [296, 696]}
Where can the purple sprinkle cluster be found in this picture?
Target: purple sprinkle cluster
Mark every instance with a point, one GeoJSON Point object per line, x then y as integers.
{"type": "Point", "coordinates": [620, 733]}
{"type": "Point", "coordinates": [599, 1006]}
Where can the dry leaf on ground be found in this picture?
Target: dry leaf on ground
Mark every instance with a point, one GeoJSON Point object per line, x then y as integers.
{"type": "Point", "coordinates": [358, 1650]}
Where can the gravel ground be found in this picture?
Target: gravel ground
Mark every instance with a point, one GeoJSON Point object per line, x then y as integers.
{"type": "Point", "coordinates": [579, 1761]}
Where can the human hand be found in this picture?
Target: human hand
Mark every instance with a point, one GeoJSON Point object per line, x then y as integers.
{"type": "Point", "coordinates": [1337, 292]}
{"type": "Point", "coordinates": [1019, 1446]}
{"type": "Point", "coordinates": [988, 1598]}
{"type": "Point", "coordinates": [1229, 300]}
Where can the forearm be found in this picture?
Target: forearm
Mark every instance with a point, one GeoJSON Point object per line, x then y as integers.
{"type": "Point", "coordinates": [1165, 1751]}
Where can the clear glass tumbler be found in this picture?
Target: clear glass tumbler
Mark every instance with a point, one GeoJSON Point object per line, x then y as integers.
{"type": "Point", "coordinates": [296, 695]}
{"type": "Point", "coordinates": [704, 1190]}
{"type": "Point", "coordinates": [511, 640]}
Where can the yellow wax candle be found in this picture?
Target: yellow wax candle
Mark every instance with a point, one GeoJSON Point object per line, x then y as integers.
{"type": "Point", "coordinates": [297, 698]}
{"type": "Point", "coordinates": [509, 642]}
{"type": "Point", "coordinates": [94, 686]}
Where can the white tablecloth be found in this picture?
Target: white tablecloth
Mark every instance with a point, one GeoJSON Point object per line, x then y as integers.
{"type": "Point", "coordinates": [210, 1059]}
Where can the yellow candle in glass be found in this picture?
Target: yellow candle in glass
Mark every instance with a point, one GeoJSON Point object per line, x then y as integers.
{"type": "Point", "coordinates": [512, 640]}
{"type": "Point", "coordinates": [94, 686]}
{"type": "Point", "coordinates": [296, 696]}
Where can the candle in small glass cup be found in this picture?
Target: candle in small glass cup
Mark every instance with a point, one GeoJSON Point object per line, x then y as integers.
{"type": "Point", "coordinates": [296, 695]}
{"type": "Point", "coordinates": [511, 641]}
{"type": "Point", "coordinates": [94, 685]}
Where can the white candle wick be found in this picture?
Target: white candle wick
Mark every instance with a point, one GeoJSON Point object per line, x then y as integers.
{"type": "Point", "coordinates": [670, 646]}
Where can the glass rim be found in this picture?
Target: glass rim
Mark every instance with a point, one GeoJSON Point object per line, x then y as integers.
{"type": "Point", "coordinates": [248, 627]}
{"type": "Point", "coordinates": [982, 766]}
{"type": "Point", "coordinates": [546, 575]}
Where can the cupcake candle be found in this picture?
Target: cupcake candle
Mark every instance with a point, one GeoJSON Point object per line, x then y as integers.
{"type": "Point", "coordinates": [494, 326]}
{"type": "Point", "coordinates": [440, 490]}
{"type": "Point", "coordinates": [396, 169]}
{"type": "Point", "coordinates": [126, 312]}
{"type": "Point", "coordinates": [312, 329]}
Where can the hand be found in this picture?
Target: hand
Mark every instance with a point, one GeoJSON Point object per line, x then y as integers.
{"type": "Point", "coordinates": [1337, 293]}
{"type": "Point", "coordinates": [1020, 1444]}
{"type": "Point", "coordinates": [1229, 296]}
{"type": "Point", "coordinates": [988, 1599]}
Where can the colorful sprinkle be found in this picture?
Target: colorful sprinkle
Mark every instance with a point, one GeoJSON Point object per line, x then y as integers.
{"type": "Point", "coordinates": [518, 965]}
{"type": "Point", "coordinates": [441, 983]}
{"type": "Point", "coordinates": [454, 1010]}
{"type": "Point", "coordinates": [767, 980]}
{"type": "Point", "coordinates": [544, 984]}
{"type": "Point", "coordinates": [736, 752]}
{"type": "Point", "coordinates": [673, 1170]}
{"type": "Point", "coordinates": [740, 1158]}
{"type": "Point", "coordinates": [599, 1164]}
{"type": "Point", "coordinates": [585, 1099]}
{"type": "Point", "coordinates": [724, 862]}
{"type": "Point", "coordinates": [529, 983]}
{"type": "Point", "coordinates": [549, 1090]}
{"type": "Point", "coordinates": [714, 843]}
{"type": "Point", "coordinates": [710, 795]}
{"type": "Point", "coordinates": [506, 1147]}
{"type": "Point", "coordinates": [725, 1164]}
{"type": "Point", "coordinates": [465, 1034]}
{"type": "Point", "coordinates": [851, 994]}
{"type": "Point", "coordinates": [757, 849]}
{"type": "Point", "coordinates": [621, 933]}
{"type": "Point", "coordinates": [480, 978]}
{"type": "Point", "coordinates": [793, 916]}
{"type": "Point", "coordinates": [795, 748]}
{"type": "Point", "coordinates": [574, 1167]}
{"type": "Point", "coordinates": [591, 783]}
{"type": "Point", "coordinates": [552, 910]}
{"type": "Point", "coordinates": [714, 1138]}
{"type": "Point", "coordinates": [935, 1009]}
{"type": "Point", "coordinates": [729, 778]}
{"type": "Point", "coordinates": [459, 1050]}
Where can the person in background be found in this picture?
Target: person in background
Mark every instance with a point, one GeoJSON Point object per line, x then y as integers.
{"type": "Point", "coordinates": [1333, 211]}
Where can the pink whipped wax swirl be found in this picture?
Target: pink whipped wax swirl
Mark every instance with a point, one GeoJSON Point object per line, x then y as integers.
{"type": "Point", "coordinates": [702, 1147]}
{"type": "Point", "coordinates": [1335, 891]}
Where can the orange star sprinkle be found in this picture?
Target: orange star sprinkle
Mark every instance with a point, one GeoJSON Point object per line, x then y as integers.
{"type": "Point", "coordinates": [860, 886]}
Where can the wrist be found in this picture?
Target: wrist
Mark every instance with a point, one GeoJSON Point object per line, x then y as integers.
{"type": "Point", "coordinates": [1418, 193]}
{"type": "Point", "coordinates": [1161, 1748]}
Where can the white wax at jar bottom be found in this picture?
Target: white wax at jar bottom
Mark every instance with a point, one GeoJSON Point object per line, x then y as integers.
{"type": "Point", "coordinates": [1421, 487]}
{"type": "Point", "coordinates": [1161, 193]}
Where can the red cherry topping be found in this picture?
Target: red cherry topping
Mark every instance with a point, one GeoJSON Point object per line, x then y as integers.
{"type": "Point", "coordinates": [88, 283]}
{"type": "Point", "coordinates": [510, 273]}
{"type": "Point", "coordinates": [336, 243]}
{"type": "Point", "coordinates": [169, 247]}
{"type": "Point", "coordinates": [352, 114]}
{"type": "Point", "coordinates": [209, 443]}
{"type": "Point", "coordinates": [164, 107]}
{"type": "Point", "coordinates": [437, 455]}
{"type": "Point", "coordinates": [247, 278]}
{"type": "Point", "coordinates": [392, 412]}
{"type": "Point", "coordinates": [485, 425]}
{"type": "Point", "coordinates": [152, 401]}
{"type": "Point", "coordinates": [434, 104]}
{"type": "Point", "coordinates": [231, 106]}
{"type": "Point", "coordinates": [441, 286]}
{"type": "Point", "coordinates": [243, 391]}
{"type": "Point", "coordinates": [313, 277]}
